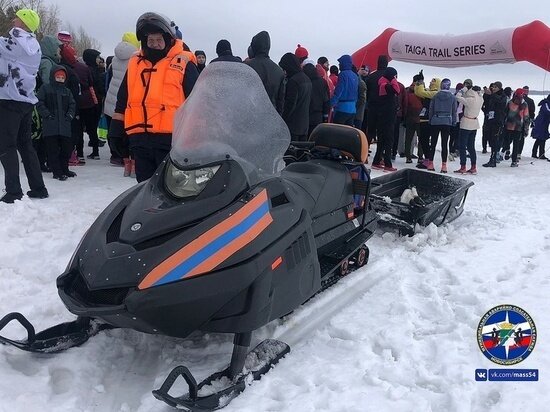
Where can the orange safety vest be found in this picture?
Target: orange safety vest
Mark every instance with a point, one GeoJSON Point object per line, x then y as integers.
{"type": "Point", "coordinates": [155, 92]}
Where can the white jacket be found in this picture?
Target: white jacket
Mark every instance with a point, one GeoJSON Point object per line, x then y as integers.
{"type": "Point", "coordinates": [119, 65]}
{"type": "Point", "coordinates": [19, 61]}
{"type": "Point", "coordinates": [472, 101]}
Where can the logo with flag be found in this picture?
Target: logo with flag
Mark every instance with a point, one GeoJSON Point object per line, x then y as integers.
{"type": "Point", "coordinates": [506, 335]}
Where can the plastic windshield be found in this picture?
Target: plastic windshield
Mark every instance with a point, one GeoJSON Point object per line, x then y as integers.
{"type": "Point", "coordinates": [230, 114]}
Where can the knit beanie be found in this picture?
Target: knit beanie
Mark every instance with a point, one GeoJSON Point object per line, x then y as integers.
{"type": "Point", "coordinates": [468, 83]}
{"type": "Point", "coordinates": [223, 47]}
{"type": "Point", "coordinates": [200, 53]}
{"type": "Point", "coordinates": [322, 60]}
{"type": "Point", "coordinates": [130, 37]}
{"type": "Point", "coordinates": [64, 37]}
{"type": "Point", "coordinates": [445, 84]}
{"type": "Point", "coordinates": [60, 73]}
{"type": "Point", "coordinates": [301, 52]}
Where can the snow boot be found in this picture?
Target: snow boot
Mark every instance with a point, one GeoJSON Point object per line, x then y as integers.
{"type": "Point", "coordinates": [422, 164]}
{"type": "Point", "coordinates": [389, 169]}
{"type": "Point", "coordinates": [431, 166]}
{"type": "Point", "coordinates": [38, 193]}
{"type": "Point", "coordinates": [444, 167]}
{"type": "Point", "coordinates": [472, 170]}
{"type": "Point", "coordinates": [462, 170]}
{"type": "Point", "coordinates": [506, 155]}
{"type": "Point", "coordinates": [127, 167]}
{"type": "Point", "coordinates": [514, 164]}
{"type": "Point", "coordinates": [492, 161]}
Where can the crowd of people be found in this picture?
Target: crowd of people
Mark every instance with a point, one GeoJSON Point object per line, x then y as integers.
{"type": "Point", "coordinates": [50, 97]}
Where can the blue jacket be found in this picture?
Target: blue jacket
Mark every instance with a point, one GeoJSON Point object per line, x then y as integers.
{"type": "Point", "coordinates": [346, 92]}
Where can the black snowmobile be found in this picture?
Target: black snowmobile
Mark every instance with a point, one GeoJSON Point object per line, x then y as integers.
{"type": "Point", "coordinates": [220, 239]}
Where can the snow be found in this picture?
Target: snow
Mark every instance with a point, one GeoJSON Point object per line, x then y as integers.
{"type": "Point", "coordinates": [399, 334]}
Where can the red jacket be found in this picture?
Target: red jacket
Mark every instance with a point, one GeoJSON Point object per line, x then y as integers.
{"type": "Point", "coordinates": [412, 106]}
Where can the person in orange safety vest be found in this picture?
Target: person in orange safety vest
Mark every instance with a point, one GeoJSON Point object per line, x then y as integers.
{"type": "Point", "coordinates": [158, 80]}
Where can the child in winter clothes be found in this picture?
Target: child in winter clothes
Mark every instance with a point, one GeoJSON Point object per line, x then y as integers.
{"type": "Point", "coordinates": [57, 107]}
{"type": "Point", "coordinates": [516, 125]}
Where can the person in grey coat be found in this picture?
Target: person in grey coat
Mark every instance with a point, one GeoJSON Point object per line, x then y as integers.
{"type": "Point", "coordinates": [442, 116]}
{"type": "Point", "coordinates": [57, 107]}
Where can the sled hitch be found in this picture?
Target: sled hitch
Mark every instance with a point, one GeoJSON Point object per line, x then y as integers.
{"type": "Point", "coordinates": [220, 388]}
{"type": "Point", "coordinates": [54, 339]}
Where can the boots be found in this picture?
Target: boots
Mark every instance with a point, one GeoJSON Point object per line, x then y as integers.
{"type": "Point", "coordinates": [444, 167]}
{"type": "Point", "coordinates": [133, 169]}
{"type": "Point", "coordinates": [462, 170]}
{"type": "Point", "coordinates": [492, 161]}
{"type": "Point", "coordinates": [472, 170]}
{"type": "Point", "coordinates": [127, 167]}
{"type": "Point", "coordinates": [431, 165]}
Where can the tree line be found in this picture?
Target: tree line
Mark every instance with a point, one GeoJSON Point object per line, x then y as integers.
{"type": "Point", "coordinates": [50, 22]}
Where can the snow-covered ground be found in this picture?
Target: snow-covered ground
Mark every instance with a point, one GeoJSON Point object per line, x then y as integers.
{"type": "Point", "coordinates": [399, 334]}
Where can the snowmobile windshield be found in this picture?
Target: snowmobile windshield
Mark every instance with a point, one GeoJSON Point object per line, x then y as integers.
{"type": "Point", "coordinates": [230, 116]}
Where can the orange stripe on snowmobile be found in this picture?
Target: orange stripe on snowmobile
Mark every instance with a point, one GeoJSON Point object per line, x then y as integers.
{"type": "Point", "coordinates": [232, 248]}
{"type": "Point", "coordinates": [203, 241]}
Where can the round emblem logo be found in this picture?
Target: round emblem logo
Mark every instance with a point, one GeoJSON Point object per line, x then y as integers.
{"type": "Point", "coordinates": [506, 335]}
{"type": "Point", "coordinates": [135, 227]}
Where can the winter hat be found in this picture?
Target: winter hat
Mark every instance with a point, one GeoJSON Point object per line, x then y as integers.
{"type": "Point", "coordinates": [68, 53]}
{"type": "Point", "coordinates": [64, 37]}
{"type": "Point", "coordinates": [322, 60]}
{"type": "Point", "coordinates": [130, 37]}
{"type": "Point", "coordinates": [308, 61]}
{"type": "Point", "coordinates": [30, 18]}
{"type": "Point", "coordinates": [390, 73]}
{"type": "Point", "coordinates": [200, 53]}
{"type": "Point", "coordinates": [301, 52]}
{"type": "Point", "coordinates": [498, 84]}
{"type": "Point", "coordinates": [60, 73]}
{"type": "Point", "coordinates": [223, 47]}
{"type": "Point", "coordinates": [445, 84]}
{"type": "Point", "coordinates": [519, 92]}
{"type": "Point", "coordinates": [468, 83]}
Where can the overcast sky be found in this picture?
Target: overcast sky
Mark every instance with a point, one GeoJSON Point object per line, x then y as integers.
{"type": "Point", "coordinates": [325, 28]}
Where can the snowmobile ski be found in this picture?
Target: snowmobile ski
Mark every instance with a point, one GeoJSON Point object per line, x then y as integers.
{"type": "Point", "coordinates": [219, 389]}
{"type": "Point", "coordinates": [55, 339]}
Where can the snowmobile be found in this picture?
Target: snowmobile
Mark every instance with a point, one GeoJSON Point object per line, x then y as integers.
{"type": "Point", "coordinates": [223, 238]}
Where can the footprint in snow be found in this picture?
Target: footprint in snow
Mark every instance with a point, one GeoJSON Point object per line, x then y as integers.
{"type": "Point", "coordinates": [61, 380]}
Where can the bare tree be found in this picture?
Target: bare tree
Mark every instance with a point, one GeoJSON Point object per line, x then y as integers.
{"type": "Point", "coordinates": [81, 39]}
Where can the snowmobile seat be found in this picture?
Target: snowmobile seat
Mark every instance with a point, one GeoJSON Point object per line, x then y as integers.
{"type": "Point", "coordinates": [327, 183]}
{"type": "Point", "coordinates": [349, 141]}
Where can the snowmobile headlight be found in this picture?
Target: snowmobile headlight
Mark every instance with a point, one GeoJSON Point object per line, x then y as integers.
{"type": "Point", "coordinates": [187, 183]}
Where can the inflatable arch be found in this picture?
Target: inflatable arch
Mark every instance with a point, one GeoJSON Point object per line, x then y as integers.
{"type": "Point", "coordinates": [530, 42]}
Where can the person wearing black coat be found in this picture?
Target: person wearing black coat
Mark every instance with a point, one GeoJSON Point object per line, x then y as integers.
{"type": "Point", "coordinates": [89, 118]}
{"type": "Point", "coordinates": [297, 98]}
{"type": "Point", "coordinates": [373, 127]}
{"type": "Point", "coordinates": [56, 106]}
{"type": "Point", "coordinates": [319, 104]}
{"type": "Point", "coordinates": [272, 76]}
{"type": "Point", "coordinates": [224, 52]}
{"type": "Point", "coordinates": [495, 114]}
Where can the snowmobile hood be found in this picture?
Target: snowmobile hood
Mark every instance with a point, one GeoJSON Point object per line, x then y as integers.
{"type": "Point", "coordinates": [230, 120]}
{"type": "Point", "coordinates": [124, 50]}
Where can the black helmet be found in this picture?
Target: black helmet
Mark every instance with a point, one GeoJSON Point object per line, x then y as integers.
{"type": "Point", "coordinates": [149, 22]}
